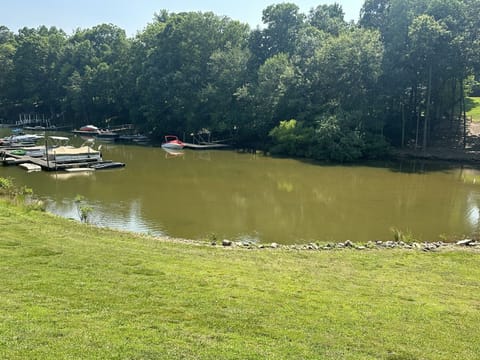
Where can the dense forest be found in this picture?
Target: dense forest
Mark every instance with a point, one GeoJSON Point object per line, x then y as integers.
{"type": "Point", "coordinates": [311, 85]}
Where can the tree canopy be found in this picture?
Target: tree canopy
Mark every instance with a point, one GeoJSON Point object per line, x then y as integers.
{"type": "Point", "coordinates": [308, 85]}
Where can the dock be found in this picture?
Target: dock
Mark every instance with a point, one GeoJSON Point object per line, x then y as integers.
{"type": "Point", "coordinates": [51, 165]}
{"type": "Point", "coordinates": [30, 167]}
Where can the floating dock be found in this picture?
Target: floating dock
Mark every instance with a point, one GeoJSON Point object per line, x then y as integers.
{"type": "Point", "coordinates": [30, 167]}
{"type": "Point", "coordinates": [11, 159]}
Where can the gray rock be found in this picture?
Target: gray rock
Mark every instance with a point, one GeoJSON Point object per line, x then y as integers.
{"type": "Point", "coordinates": [226, 242]}
{"type": "Point", "coordinates": [349, 243]}
{"type": "Point", "coordinates": [274, 246]}
{"type": "Point", "coordinates": [464, 242]}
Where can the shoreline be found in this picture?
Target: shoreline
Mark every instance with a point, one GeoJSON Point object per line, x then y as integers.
{"type": "Point", "coordinates": [467, 243]}
{"type": "Point", "coordinates": [471, 157]}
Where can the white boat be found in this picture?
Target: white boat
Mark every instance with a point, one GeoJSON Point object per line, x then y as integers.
{"type": "Point", "coordinates": [16, 140]}
{"type": "Point", "coordinates": [54, 142]}
{"type": "Point", "coordinates": [173, 143]}
{"type": "Point", "coordinates": [91, 130]}
{"type": "Point", "coordinates": [66, 154]}
{"type": "Point", "coordinates": [30, 167]}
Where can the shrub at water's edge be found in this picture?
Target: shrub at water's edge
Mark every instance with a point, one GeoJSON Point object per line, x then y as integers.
{"type": "Point", "coordinates": [328, 140]}
{"type": "Point", "coordinates": [22, 196]}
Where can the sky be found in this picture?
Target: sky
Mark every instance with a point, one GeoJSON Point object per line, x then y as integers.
{"type": "Point", "coordinates": [134, 15]}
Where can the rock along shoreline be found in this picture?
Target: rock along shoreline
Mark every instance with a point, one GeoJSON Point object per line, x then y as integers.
{"type": "Point", "coordinates": [465, 244]}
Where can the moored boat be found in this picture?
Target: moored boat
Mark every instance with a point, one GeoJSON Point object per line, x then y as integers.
{"type": "Point", "coordinates": [68, 154]}
{"type": "Point", "coordinates": [173, 143]}
{"type": "Point", "coordinates": [136, 138]}
{"type": "Point", "coordinates": [87, 130]}
{"type": "Point", "coordinates": [20, 140]}
{"type": "Point", "coordinates": [108, 165]}
{"type": "Point", "coordinates": [30, 167]}
{"type": "Point", "coordinates": [106, 135]}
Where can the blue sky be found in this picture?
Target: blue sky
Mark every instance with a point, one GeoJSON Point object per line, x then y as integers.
{"type": "Point", "coordinates": [133, 15]}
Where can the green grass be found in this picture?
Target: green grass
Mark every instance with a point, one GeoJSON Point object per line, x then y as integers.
{"type": "Point", "coordinates": [473, 106]}
{"type": "Point", "coordinates": [71, 291]}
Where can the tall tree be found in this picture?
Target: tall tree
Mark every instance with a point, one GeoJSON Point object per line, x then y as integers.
{"type": "Point", "coordinates": [183, 51]}
{"type": "Point", "coordinates": [37, 59]}
{"type": "Point", "coordinates": [7, 67]}
{"type": "Point", "coordinates": [328, 18]}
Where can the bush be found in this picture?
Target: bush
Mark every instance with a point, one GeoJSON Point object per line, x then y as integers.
{"type": "Point", "coordinates": [328, 141]}
{"type": "Point", "coordinates": [6, 186]}
{"type": "Point", "coordinates": [83, 209]}
{"type": "Point", "coordinates": [291, 138]}
{"type": "Point", "coordinates": [20, 195]}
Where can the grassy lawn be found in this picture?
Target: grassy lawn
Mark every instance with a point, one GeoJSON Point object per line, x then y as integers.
{"type": "Point", "coordinates": [71, 291]}
{"type": "Point", "coordinates": [473, 106]}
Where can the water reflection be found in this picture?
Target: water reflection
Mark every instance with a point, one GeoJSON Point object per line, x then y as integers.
{"type": "Point", "coordinates": [171, 153]}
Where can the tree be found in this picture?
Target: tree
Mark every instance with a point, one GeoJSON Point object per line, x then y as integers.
{"type": "Point", "coordinates": [93, 69]}
{"type": "Point", "coordinates": [7, 67]}
{"type": "Point", "coordinates": [426, 36]}
{"type": "Point", "coordinates": [183, 54]}
{"type": "Point", "coordinates": [37, 60]}
{"type": "Point", "coordinates": [328, 18]}
{"type": "Point", "coordinates": [284, 22]}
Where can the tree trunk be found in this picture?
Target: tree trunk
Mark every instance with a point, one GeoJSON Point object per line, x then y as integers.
{"type": "Point", "coordinates": [403, 125]}
{"type": "Point", "coordinates": [427, 110]}
{"type": "Point", "coordinates": [464, 114]}
{"type": "Point", "coordinates": [453, 104]}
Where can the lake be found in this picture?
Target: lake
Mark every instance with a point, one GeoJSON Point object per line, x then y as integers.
{"type": "Point", "coordinates": [238, 196]}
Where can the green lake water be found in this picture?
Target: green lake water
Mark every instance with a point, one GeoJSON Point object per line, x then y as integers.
{"type": "Point", "coordinates": [238, 196]}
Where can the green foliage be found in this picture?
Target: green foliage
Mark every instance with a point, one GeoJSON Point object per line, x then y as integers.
{"type": "Point", "coordinates": [328, 18]}
{"type": "Point", "coordinates": [473, 108]}
{"type": "Point", "coordinates": [336, 143]}
{"type": "Point", "coordinates": [22, 196]}
{"type": "Point", "coordinates": [405, 61]}
{"type": "Point", "coordinates": [329, 140]}
{"type": "Point", "coordinates": [401, 236]}
{"type": "Point", "coordinates": [291, 138]}
{"type": "Point", "coordinates": [84, 210]}
{"type": "Point", "coordinates": [10, 189]}
{"type": "Point", "coordinates": [6, 186]}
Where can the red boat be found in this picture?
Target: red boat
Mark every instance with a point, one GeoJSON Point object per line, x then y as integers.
{"type": "Point", "coordinates": [173, 143]}
{"type": "Point", "coordinates": [88, 130]}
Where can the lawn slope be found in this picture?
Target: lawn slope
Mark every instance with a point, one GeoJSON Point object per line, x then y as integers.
{"type": "Point", "coordinates": [473, 107]}
{"type": "Point", "coordinates": [71, 291]}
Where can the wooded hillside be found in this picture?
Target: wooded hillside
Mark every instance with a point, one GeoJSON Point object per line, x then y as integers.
{"type": "Point", "coordinates": [308, 85]}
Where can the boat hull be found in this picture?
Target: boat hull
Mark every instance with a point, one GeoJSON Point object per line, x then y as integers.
{"type": "Point", "coordinates": [172, 146]}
